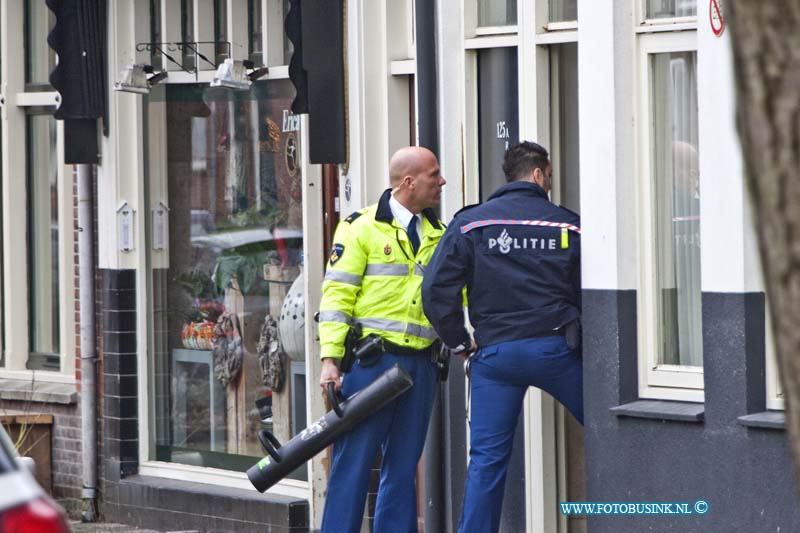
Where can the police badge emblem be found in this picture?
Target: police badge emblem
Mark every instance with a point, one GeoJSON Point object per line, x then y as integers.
{"type": "Point", "coordinates": [336, 253]}
{"type": "Point", "coordinates": [387, 250]}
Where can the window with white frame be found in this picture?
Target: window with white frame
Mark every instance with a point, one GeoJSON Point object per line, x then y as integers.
{"type": "Point", "coordinates": [38, 270]}
{"type": "Point", "coordinates": [671, 344]}
{"type": "Point", "coordinates": [225, 239]}
{"type": "Point", "coordinates": [39, 57]}
{"type": "Point", "coordinates": [497, 13]}
{"type": "Point", "coordinates": [43, 242]}
{"type": "Point", "coordinates": [661, 9]}
{"type": "Point", "coordinates": [563, 10]}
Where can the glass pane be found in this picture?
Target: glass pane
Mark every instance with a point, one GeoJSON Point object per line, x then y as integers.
{"type": "Point", "coordinates": [39, 57]}
{"type": "Point", "coordinates": [233, 289]}
{"type": "Point", "coordinates": [565, 149]}
{"type": "Point", "coordinates": [256, 31]}
{"type": "Point", "coordinates": [498, 114]}
{"type": "Point", "coordinates": [497, 12]}
{"type": "Point", "coordinates": [657, 9]}
{"type": "Point", "coordinates": [288, 47]}
{"type": "Point", "coordinates": [279, 48]}
{"type": "Point", "coordinates": [43, 234]}
{"type": "Point", "coordinates": [155, 33]}
{"type": "Point", "coordinates": [563, 10]}
{"type": "Point", "coordinates": [187, 33]}
{"type": "Point", "coordinates": [677, 205]}
{"type": "Point", "coordinates": [221, 30]}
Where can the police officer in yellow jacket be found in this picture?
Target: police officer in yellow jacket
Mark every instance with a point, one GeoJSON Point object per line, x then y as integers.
{"type": "Point", "coordinates": [374, 278]}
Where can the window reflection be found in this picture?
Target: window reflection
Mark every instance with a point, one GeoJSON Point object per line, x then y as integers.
{"type": "Point", "coordinates": [230, 304]}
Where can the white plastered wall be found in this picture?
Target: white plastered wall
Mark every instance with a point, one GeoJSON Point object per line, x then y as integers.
{"type": "Point", "coordinates": [606, 59]}
{"type": "Point", "coordinates": [730, 255]}
{"type": "Point", "coordinates": [121, 172]}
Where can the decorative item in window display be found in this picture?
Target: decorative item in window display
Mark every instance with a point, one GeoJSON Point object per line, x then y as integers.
{"type": "Point", "coordinates": [228, 349]}
{"type": "Point", "coordinates": [270, 355]}
{"type": "Point", "coordinates": [293, 321]}
{"type": "Point", "coordinates": [198, 331]}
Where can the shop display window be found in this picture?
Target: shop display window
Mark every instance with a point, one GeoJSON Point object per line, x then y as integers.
{"type": "Point", "coordinates": [227, 323]}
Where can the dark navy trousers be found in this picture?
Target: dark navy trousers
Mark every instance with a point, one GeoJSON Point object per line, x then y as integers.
{"type": "Point", "coordinates": [398, 430]}
{"type": "Point", "coordinates": [500, 375]}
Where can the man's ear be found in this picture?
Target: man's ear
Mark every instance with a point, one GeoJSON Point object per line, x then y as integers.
{"type": "Point", "coordinates": [538, 176]}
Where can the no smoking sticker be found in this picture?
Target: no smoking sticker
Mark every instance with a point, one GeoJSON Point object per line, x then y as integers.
{"type": "Point", "coordinates": [716, 18]}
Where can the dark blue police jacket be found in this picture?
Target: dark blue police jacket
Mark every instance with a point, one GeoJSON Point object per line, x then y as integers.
{"type": "Point", "coordinates": [518, 254]}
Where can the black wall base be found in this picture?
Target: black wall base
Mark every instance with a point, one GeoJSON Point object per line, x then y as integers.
{"type": "Point", "coordinates": [158, 503]}
{"type": "Point", "coordinates": [745, 473]}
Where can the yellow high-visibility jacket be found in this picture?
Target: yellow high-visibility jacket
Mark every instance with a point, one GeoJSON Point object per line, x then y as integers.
{"type": "Point", "coordinates": [374, 277]}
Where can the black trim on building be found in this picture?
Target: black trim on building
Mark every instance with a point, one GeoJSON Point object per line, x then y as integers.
{"type": "Point", "coordinates": [744, 472]}
{"type": "Point", "coordinates": [160, 503]}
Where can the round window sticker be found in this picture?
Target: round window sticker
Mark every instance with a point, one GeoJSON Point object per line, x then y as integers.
{"type": "Point", "coordinates": [716, 17]}
{"type": "Point", "coordinates": [290, 154]}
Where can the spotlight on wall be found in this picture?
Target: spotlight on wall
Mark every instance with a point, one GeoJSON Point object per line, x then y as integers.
{"type": "Point", "coordinates": [138, 79]}
{"type": "Point", "coordinates": [237, 74]}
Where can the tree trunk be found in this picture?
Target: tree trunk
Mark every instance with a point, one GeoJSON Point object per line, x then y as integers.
{"type": "Point", "coordinates": [766, 50]}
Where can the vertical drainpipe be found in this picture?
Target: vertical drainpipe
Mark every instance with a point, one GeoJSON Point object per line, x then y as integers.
{"type": "Point", "coordinates": [425, 22]}
{"type": "Point", "coordinates": [88, 341]}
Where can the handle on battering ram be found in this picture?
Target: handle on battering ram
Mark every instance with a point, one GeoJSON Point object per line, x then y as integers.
{"type": "Point", "coordinates": [270, 444]}
{"type": "Point", "coordinates": [334, 399]}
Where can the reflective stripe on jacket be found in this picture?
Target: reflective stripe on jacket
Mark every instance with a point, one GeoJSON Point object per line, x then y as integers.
{"type": "Point", "coordinates": [374, 277]}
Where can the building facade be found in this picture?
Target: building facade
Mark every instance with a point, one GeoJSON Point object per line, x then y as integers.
{"type": "Point", "coordinates": [206, 206]}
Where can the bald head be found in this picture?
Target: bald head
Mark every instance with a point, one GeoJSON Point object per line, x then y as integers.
{"type": "Point", "coordinates": [415, 177]}
{"type": "Point", "coordinates": [407, 162]}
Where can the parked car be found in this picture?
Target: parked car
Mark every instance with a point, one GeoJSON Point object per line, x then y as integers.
{"type": "Point", "coordinates": [24, 505]}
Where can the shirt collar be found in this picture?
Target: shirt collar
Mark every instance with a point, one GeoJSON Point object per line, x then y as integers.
{"type": "Point", "coordinates": [400, 212]}
{"type": "Point", "coordinates": [384, 212]}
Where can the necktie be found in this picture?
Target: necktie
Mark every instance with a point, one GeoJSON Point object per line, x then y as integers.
{"type": "Point", "coordinates": [413, 236]}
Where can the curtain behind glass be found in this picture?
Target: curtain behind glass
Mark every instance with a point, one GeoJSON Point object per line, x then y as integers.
{"type": "Point", "coordinates": [677, 206]}
{"type": "Point", "coordinates": [43, 234]}
{"type": "Point", "coordinates": [39, 57]}
{"type": "Point", "coordinates": [497, 12]}
{"type": "Point", "coordinates": [670, 8]}
{"type": "Point", "coordinates": [563, 10]}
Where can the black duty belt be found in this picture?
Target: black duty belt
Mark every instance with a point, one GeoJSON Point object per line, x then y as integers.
{"type": "Point", "coordinates": [549, 333]}
{"type": "Point", "coordinates": [396, 349]}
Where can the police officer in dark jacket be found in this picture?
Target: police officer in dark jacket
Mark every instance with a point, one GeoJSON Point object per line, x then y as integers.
{"type": "Point", "coordinates": [519, 257]}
